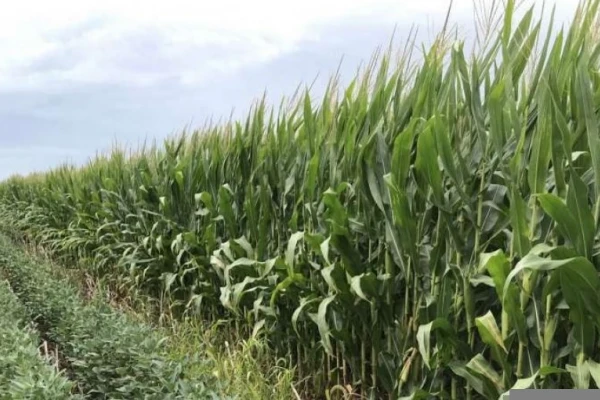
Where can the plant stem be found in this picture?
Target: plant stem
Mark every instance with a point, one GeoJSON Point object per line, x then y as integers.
{"type": "Point", "coordinates": [520, 361]}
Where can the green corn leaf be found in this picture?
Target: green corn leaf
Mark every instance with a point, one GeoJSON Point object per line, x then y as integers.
{"type": "Point", "coordinates": [519, 222]}
{"type": "Point", "coordinates": [304, 302]}
{"type": "Point", "coordinates": [580, 374]}
{"type": "Point", "coordinates": [424, 336]}
{"type": "Point", "coordinates": [426, 163]}
{"type": "Point", "coordinates": [444, 149]}
{"type": "Point", "coordinates": [564, 218]}
{"type": "Point", "coordinates": [364, 285]}
{"type": "Point", "coordinates": [498, 267]}
{"type": "Point", "coordinates": [585, 101]}
{"type": "Point", "coordinates": [291, 249]}
{"type": "Point", "coordinates": [323, 325]}
{"type": "Point", "coordinates": [401, 155]}
{"type": "Point", "coordinates": [489, 332]}
{"type": "Point", "coordinates": [540, 157]}
{"type": "Point", "coordinates": [534, 262]}
{"type": "Point", "coordinates": [594, 369]}
{"type": "Point", "coordinates": [482, 367]}
{"type": "Point", "coordinates": [577, 203]}
{"type": "Point", "coordinates": [477, 383]}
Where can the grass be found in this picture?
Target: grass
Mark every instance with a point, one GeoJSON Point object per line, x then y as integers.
{"type": "Point", "coordinates": [246, 367]}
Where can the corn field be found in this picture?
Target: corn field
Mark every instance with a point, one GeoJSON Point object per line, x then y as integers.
{"type": "Point", "coordinates": [428, 231]}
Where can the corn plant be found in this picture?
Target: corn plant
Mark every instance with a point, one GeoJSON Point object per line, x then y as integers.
{"type": "Point", "coordinates": [411, 234]}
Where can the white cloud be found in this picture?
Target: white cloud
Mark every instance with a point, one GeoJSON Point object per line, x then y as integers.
{"type": "Point", "coordinates": [47, 44]}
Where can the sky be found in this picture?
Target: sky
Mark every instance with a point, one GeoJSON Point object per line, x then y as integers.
{"type": "Point", "coordinates": [76, 76]}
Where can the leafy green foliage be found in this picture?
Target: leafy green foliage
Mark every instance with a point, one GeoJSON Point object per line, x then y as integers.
{"type": "Point", "coordinates": [107, 354]}
{"type": "Point", "coordinates": [24, 372]}
{"type": "Point", "coordinates": [411, 235]}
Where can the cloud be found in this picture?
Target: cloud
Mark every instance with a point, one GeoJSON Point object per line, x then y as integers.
{"type": "Point", "coordinates": [135, 43]}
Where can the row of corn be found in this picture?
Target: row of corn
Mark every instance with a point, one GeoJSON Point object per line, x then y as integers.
{"type": "Point", "coordinates": [429, 230]}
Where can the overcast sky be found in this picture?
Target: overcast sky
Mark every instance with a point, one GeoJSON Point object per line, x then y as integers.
{"type": "Point", "coordinates": [77, 75]}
